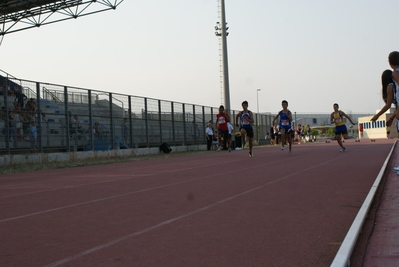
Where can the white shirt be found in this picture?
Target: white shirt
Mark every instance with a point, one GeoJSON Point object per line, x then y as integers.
{"type": "Point", "coordinates": [230, 128]}
{"type": "Point", "coordinates": [209, 130]}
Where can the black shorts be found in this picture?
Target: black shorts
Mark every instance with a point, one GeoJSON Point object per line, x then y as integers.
{"type": "Point", "coordinates": [249, 130]}
{"type": "Point", "coordinates": [224, 134]}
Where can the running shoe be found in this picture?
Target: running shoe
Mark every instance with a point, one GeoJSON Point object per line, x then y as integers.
{"type": "Point", "coordinates": [342, 150]}
{"type": "Point", "coordinates": [396, 168]}
{"type": "Point", "coordinates": [290, 151]}
{"type": "Point", "coordinates": [282, 147]}
{"type": "Point", "coordinates": [219, 148]}
{"type": "Point", "coordinates": [251, 154]}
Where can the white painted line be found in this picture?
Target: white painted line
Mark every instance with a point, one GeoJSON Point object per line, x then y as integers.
{"type": "Point", "coordinates": [123, 238]}
{"type": "Point", "coordinates": [342, 258]}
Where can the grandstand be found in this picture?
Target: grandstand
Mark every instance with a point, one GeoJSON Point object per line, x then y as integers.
{"type": "Point", "coordinates": [124, 121]}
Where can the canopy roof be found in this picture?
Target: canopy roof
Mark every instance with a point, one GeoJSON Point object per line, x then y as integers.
{"type": "Point", "coordinates": [17, 15]}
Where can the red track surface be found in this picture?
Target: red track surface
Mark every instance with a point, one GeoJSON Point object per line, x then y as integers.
{"type": "Point", "coordinates": [214, 209]}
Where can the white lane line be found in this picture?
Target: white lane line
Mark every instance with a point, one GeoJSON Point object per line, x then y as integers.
{"type": "Point", "coordinates": [151, 188]}
{"type": "Point", "coordinates": [104, 181]}
{"type": "Point", "coordinates": [145, 230]}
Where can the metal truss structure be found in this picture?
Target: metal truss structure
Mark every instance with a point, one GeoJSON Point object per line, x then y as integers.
{"type": "Point", "coordinates": [17, 15]}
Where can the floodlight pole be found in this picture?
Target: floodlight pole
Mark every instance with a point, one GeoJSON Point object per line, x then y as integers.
{"type": "Point", "coordinates": [221, 31]}
{"type": "Point", "coordinates": [257, 114]}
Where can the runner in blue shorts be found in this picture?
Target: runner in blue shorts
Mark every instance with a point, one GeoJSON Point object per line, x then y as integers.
{"type": "Point", "coordinates": [285, 125]}
{"type": "Point", "coordinates": [246, 119]}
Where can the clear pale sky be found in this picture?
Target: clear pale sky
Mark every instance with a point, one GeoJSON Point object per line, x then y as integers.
{"type": "Point", "coordinates": [311, 53]}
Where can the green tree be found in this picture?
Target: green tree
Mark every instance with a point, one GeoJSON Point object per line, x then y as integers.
{"type": "Point", "coordinates": [331, 130]}
{"type": "Point", "coordinates": [314, 132]}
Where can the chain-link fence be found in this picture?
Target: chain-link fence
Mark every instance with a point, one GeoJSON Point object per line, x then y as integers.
{"type": "Point", "coordinates": [42, 117]}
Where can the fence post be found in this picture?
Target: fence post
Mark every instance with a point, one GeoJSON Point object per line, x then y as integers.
{"type": "Point", "coordinates": [173, 123]}
{"type": "Point", "coordinates": [6, 126]}
{"type": "Point", "coordinates": [130, 122]}
{"type": "Point", "coordinates": [66, 118]}
{"type": "Point", "coordinates": [160, 120]}
{"type": "Point", "coordinates": [111, 122]}
{"type": "Point", "coordinates": [184, 126]}
{"type": "Point", "coordinates": [146, 123]}
{"type": "Point", "coordinates": [39, 118]}
{"type": "Point", "coordinates": [91, 134]}
{"type": "Point", "coordinates": [204, 124]}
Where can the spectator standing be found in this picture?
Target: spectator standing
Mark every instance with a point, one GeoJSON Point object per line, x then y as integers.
{"type": "Point", "coordinates": [18, 126]}
{"type": "Point", "coordinates": [361, 130]}
{"type": "Point", "coordinates": [276, 133]}
{"type": "Point", "coordinates": [215, 141]}
{"type": "Point", "coordinates": [393, 59]}
{"type": "Point", "coordinates": [389, 95]}
{"type": "Point", "coordinates": [299, 132]}
{"type": "Point", "coordinates": [33, 137]}
{"type": "Point", "coordinates": [308, 132]}
{"type": "Point", "coordinates": [31, 105]}
{"type": "Point", "coordinates": [272, 136]}
{"type": "Point", "coordinates": [20, 97]}
{"type": "Point", "coordinates": [209, 135]}
{"type": "Point", "coordinates": [31, 108]}
{"type": "Point", "coordinates": [292, 131]}
{"type": "Point", "coordinates": [231, 130]}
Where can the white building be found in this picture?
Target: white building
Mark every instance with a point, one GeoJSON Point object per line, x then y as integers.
{"type": "Point", "coordinates": [378, 129]}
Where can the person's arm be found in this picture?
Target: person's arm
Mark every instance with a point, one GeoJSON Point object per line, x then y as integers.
{"type": "Point", "coordinates": [227, 116]}
{"type": "Point", "coordinates": [346, 116]}
{"type": "Point", "coordinates": [206, 134]}
{"type": "Point", "coordinates": [237, 116]}
{"type": "Point", "coordinates": [395, 75]}
{"type": "Point", "coordinates": [251, 117]}
{"type": "Point", "coordinates": [332, 118]}
{"type": "Point", "coordinates": [289, 114]}
{"type": "Point", "coordinates": [387, 104]}
{"type": "Point", "coordinates": [275, 118]}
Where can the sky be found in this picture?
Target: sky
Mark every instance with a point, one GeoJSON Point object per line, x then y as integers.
{"type": "Point", "coordinates": [311, 53]}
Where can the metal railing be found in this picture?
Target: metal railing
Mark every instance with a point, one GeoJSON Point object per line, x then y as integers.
{"type": "Point", "coordinates": [130, 121]}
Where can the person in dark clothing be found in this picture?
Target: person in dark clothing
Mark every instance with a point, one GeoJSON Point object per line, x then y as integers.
{"type": "Point", "coordinates": [20, 97]}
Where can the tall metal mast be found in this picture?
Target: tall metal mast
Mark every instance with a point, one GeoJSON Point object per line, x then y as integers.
{"type": "Point", "coordinates": [221, 31]}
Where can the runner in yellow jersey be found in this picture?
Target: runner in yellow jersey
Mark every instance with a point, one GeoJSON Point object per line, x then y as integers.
{"type": "Point", "coordinates": [337, 117]}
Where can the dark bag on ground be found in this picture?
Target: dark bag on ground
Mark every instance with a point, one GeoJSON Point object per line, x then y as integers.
{"type": "Point", "coordinates": [165, 148]}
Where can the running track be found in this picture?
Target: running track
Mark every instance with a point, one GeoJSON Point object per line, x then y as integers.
{"type": "Point", "coordinates": [212, 209]}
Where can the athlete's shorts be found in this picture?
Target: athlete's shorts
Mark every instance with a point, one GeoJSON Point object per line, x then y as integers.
{"type": "Point", "coordinates": [287, 128]}
{"type": "Point", "coordinates": [249, 130]}
{"type": "Point", "coordinates": [224, 134]}
{"type": "Point", "coordinates": [341, 130]}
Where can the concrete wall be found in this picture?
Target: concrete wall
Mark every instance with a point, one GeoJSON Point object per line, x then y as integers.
{"type": "Point", "coordinates": [81, 155]}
